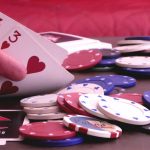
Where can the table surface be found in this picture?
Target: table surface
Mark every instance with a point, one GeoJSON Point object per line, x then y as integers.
{"type": "Point", "coordinates": [131, 139]}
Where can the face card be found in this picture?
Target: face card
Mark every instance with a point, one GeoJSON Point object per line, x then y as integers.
{"type": "Point", "coordinates": [9, 125]}
{"type": "Point", "coordinates": [44, 74]}
{"type": "Point", "coordinates": [6, 25]}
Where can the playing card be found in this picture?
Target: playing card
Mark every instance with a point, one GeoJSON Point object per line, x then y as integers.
{"type": "Point", "coordinates": [10, 121]}
{"type": "Point", "coordinates": [58, 37]}
{"type": "Point", "coordinates": [6, 25]}
{"type": "Point", "coordinates": [73, 43]}
{"type": "Point", "coordinates": [44, 74]}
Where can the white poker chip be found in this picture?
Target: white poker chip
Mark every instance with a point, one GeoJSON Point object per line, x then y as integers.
{"type": "Point", "coordinates": [50, 116]}
{"type": "Point", "coordinates": [40, 101]}
{"type": "Point", "coordinates": [134, 62]}
{"type": "Point", "coordinates": [133, 42]}
{"type": "Point", "coordinates": [92, 126]}
{"type": "Point", "coordinates": [41, 110]}
{"type": "Point", "coordinates": [83, 88]}
{"type": "Point", "coordinates": [132, 48]}
{"type": "Point", "coordinates": [89, 103]}
{"type": "Point", "coordinates": [124, 110]}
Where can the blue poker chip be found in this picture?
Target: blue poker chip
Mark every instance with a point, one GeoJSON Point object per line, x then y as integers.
{"type": "Point", "coordinates": [146, 98]}
{"type": "Point", "coordinates": [117, 80]}
{"type": "Point", "coordinates": [122, 81]}
{"type": "Point", "coordinates": [138, 71]}
{"type": "Point", "coordinates": [57, 143]}
{"type": "Point", "coordinates": [109, 53]}
{"type": "Point", "coordinates": [107, 62]}
{"type": "Point", "coordinates": [146, 38]}
{"type": "Point", "coordinates": [105, 83]}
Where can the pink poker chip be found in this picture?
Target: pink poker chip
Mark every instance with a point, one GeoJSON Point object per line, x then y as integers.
{"type": "Point", "coordinates": [130, 96]}
{"type": "Point", "coordinates": [53, 130]}
{"type": "Point", "coordinates": [82, 60]}
{"type": "Point", "coordinates": [72, 101]}
{"type": "Point", "coordinates": [61, 104]}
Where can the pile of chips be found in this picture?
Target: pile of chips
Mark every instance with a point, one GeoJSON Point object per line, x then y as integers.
{"type": "Point", "coordinates": [96, 106]}
{"type": "Point", "coordinates": [42, 107]}
{"type": "Point", "coordinates": [139, 65]}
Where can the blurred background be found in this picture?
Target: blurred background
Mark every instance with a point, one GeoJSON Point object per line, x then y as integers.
{"type": "Point", "coordinates": [87, 18]}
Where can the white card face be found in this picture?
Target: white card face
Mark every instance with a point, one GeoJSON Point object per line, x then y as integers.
{"type": "Point", "coordinates": [44, 74]}
{"type": "Point", "coordinates": [6, 25]}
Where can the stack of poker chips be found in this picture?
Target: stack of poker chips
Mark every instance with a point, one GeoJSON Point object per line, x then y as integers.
{"type": "Point", "coordinates": [42, 107]}
{"type": "Point", "coordinates": [134, 46]}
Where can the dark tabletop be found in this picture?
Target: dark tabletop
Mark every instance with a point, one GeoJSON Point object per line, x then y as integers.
{"type": "Point", "coordinates": [132, 138]}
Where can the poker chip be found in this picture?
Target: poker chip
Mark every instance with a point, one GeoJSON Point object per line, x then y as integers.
{"type": "Point", "coordinates": [115, 80]}
{"type": "Point", "coordinates": [134, 62]}
{"type": "Point", "coordinates": [39, 101]}
{"type": "Point", "coordinates": [146, 128]}
{"type": "Point", "coordinates": [98, 68]}
{"type": "Point", "coordinates": [92, 126]}
{"type": "Point", "coordinates": [72, 101]}
{"type": "Point", "coordinates": [136, 97]}
{"type": "Point", "coordinates": [138, 71]}
{"type": "Point", "coordinates": [118, 90]}
{"type": "Point", "coordinates": [61, 104]}
{"type": "Point", "coordinates": [83, 88]}
{"type": "Point", "coordinates": [107, 62]}
{"type": "Point", "coordinates": [125, 42]}
{"type": "Point", "coordinates": [122, 81]}
{"type": "Point", "coordinates": [89, 103]}
{"type": "Point", "coordinates": [41, 110]}
{"type": "Point", "coordinates": [103, 82]}
{"type": "Point", "coordinates": [124, 110]}
{"type": "Point", "coordinates": [147, 38]}
{"type": "Point", "coordinates": [50, 116]}
{"type": "Point", "coordinates": [53, 130]}
{"type": "Point", "coordinates": [57, 143]}
{"type": "Point", "coordinates": [146, 98]}
{"type": "Point", "coordinates": [82, 60]}
{"type": "Point", "coordinates": [132, 48]}
{"type": "Point", "coordinates": [109, 53]}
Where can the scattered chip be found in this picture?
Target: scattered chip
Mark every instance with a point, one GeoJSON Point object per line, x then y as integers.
{"type": "Point", "coordinates": [109, 53]}
{"type": "Point", "coordinates": [82, 60]}
{"type": "Point", "coordinates": [72, 101]}
{"type": "Point", "coordinates": [146, 98]}
{"type": "Point", "coordinates": [124, 110]}
{"type": "Point", "coordinates": [89, 104]}
{"type": "Point", "coordinates": [134, 62]}
{"type": "Point", "coordinates": [53, 130]}
{"type": "Point", "coordinates": [92, 126]}
{"type": "Point", "coordinates": [136, 97]}
{"type": "Point", "coordinates": [83, 88]}
{"type": "Point", "coordinates": [56, 143]}
{"type": "Point", "coordinates": [61, 104]}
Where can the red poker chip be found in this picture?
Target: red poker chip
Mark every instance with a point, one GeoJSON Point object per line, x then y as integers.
{"type": "Point", "coordinates": [72, 101]}
{"type": "Point", "coordinates": [82, 60]}
{"type": "Point", "coordinates": [130, 96]}
{"type": "Point", "coordinates": [54, 130]}
{"type": "Point", "coordinates": [61, 104]}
